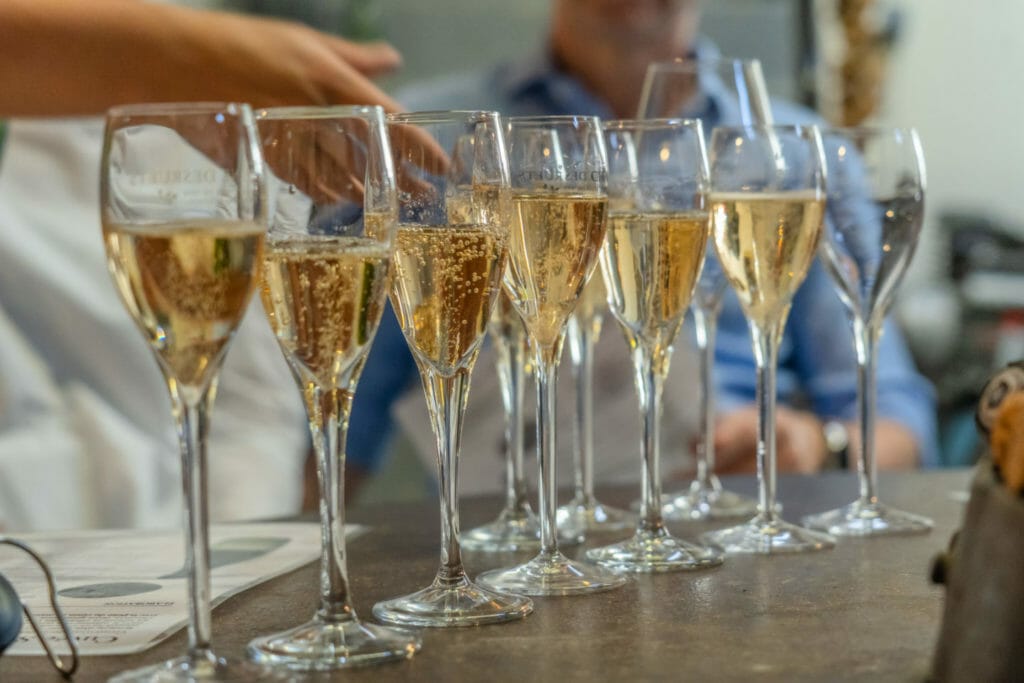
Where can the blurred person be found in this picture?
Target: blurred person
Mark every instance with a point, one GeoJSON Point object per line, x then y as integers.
{"type": "Point", "coordinates": [593, 62]}
{"type": "Point", "coordinates": [86, 434]}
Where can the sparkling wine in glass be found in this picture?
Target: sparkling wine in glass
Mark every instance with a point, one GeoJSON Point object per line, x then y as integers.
{"type": "Point", "coordinates": [720, 90]}
{"type": "Point", "coordinates": [585, 513]}
{"type": "Point", "coordinates": [183, 207]}
{"type": "Point", "coordinates": [767, 206]}
{"type": "Point", "coordinates": [324, 288]}
{"type": "Point", "coordinates": [876, 186]}
{"type": "Point", "coordinates": [559, 176]}
{"type": "Point", "coordinates": [452, 245]}
{"type": "Point", "coordinates": [658, 227]}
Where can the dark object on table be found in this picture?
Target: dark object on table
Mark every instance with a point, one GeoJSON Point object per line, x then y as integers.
{"type": "Point", "coordinates": [10, 614]}
{"type": "Point", "coordinates": [982, 622]}
{"type": "Point", "coordinates": [983, 570]}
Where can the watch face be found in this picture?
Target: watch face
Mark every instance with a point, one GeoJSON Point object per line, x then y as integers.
{"type": "Point", "coordinates": [836, 437]}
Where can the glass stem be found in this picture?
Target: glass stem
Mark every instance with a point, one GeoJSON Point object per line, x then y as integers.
{"type": "Point", "coordinates": [446, 398]}
{"type": "Point", "coordinates": [866, 340]}
{"type": "Point", "coordinates": [191, 412]}
{"type": "Point", "coordinates": [649, 384]}
{"type": "Point", "coordinates": [329, 412]}
{"type": "Point", "coordinates": [766, 347]}
{"type": "Point", "coordinates": [582, 337]}
{"type": "Point", "coordinates": [512, 377]}
{"type": "Point", "coordinates": [706, 325]}
{"type": "Point", "coordinates": [546, 372]}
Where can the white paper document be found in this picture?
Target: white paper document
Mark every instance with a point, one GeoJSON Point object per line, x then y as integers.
{"type": "Point", "coordinates": [124, 591]}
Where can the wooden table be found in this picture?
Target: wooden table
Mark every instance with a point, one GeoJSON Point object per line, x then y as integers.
{"type": "Point", "coordinates": [863, 611]}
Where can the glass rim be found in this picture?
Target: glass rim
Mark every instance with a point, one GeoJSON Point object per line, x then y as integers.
{"type": "Point", "coordinates": [671, 122]}
{"type": "Point", "coordinates": [691, 64]}
{"type": "Point", "coordinates": [765, 128]}
{"type": "Point", "coordinates": [867, 129]}
{"type": "Point", "coordinates": [443, 116]}
{"type": "Point", "coordinates": [314, 112]}
{"type": "Point", "coordinates": [171, 108]}
{"type": "Point", "coordinates": [551, 118]}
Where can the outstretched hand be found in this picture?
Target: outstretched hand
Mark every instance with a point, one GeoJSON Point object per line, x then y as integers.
{"type": "Point", "coordinates": [69, 58]}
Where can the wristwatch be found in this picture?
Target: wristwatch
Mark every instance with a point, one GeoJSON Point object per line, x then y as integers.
{"type": "Point", "coordinates": [837, 444]}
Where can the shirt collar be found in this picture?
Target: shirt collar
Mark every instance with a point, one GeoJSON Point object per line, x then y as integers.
{"type": "Point", "coordinates": [538, 75]}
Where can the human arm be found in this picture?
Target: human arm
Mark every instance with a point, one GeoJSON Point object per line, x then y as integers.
{"type": "Point", "coordinates": [74, 58]}
{"type": "Point", "coordinates": [801, 442]}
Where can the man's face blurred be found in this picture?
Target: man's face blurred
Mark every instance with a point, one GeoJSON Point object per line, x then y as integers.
{"type": "Point", "coordinates": [633, 20]}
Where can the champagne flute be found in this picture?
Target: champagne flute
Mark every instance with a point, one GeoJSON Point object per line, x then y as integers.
{"type": "Point", "coordinates": [706, 498]}
{"type": "Point", "coordinates": [719, 89]}
{"type": "Point", "coordinates": [584, 513]}
{"type": "Point", "coordinates": [767, 205]}
{"type": "Point", "coordinates": [325, 279]}
{"type": "Point", "coordinates": [452, 245]}
{"type": "Point", "coordinates": [559, 174]}
{"type": "Point", "coordinates": [876, 207]}
{"type": "Point", "coordinates": [183, 208]}
{"type": "Point", "coordinates": [651, 259]}
{"type": "Point", "coordinates": [516, 527]}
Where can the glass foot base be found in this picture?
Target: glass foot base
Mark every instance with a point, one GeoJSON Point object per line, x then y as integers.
{"type": "Point", "coordinates": [592, 517]}
{"type": "Point", "coordinates": [512, 532]}
{"type": "Point", "coordinates": [552, 574]}
{"type": "Point", "coordinates": [768, 536]}
{"type": "Point", "coordinates": [868, 519]}
{"type": "Point", "coordinates": [654, 551]}
{"type": "Point", "coordinates": [453, 603]}
{"type": "Point", "coordinates": [322, 646]}
{"type": "Point", "coordinates": [187, 670]}
{"type": "Point", "coordinates": [703, 502]}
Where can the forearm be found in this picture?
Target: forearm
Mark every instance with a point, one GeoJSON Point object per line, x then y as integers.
{"type": "Point", "coordinates": [62, 58]}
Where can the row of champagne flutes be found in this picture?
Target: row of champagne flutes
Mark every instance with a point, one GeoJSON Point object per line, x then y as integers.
{"type": "Point", "coordinates": [883, 171]}
{"type": "Point", "coordinates": [437, 202]}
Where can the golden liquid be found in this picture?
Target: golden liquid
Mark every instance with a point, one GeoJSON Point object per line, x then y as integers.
{"type": "Point", "coordinates": [187, 286]}
{"type": "Point", "coordinates": [593, 301]}
{"type": "Point", "coordinates": [554, 243]}
{"type": "Point", "coordinates": [765, 243]}
{"type": "Point", "coordinates": [653, 261]}
{"type": "Point", "coordinates": [445, 282]}
{"type": "Point", "coordinates": [324, 297]}
{"type": "Point", "coordinates": [477, 204]}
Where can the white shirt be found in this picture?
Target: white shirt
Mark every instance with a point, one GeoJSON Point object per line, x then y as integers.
{"type": "Point", "coordinates": [86, 433]}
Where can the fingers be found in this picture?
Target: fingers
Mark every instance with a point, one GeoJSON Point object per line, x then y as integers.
{"type": "Point", "coordinates": [350, 87]}
{"type": "Point", "coordinates": [369, 59]}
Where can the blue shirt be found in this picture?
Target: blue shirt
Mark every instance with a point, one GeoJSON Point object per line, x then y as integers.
{"type": "Point", "coordinates": [817, 364]}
